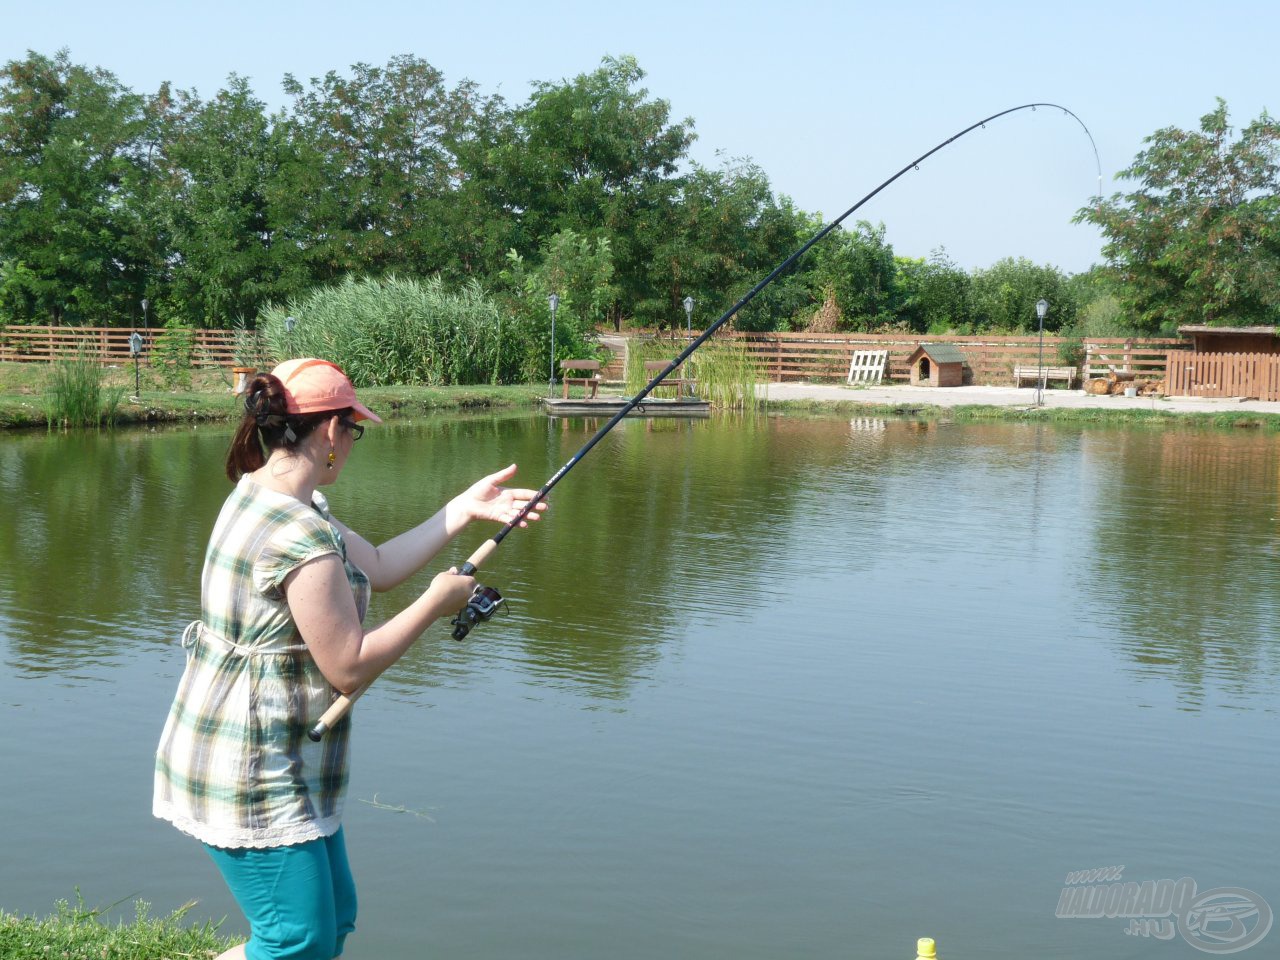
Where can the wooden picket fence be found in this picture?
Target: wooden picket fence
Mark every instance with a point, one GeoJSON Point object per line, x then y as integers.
{"type": "Point", "coordinates": [110, 345]}
{"type": "Point", "coordinates": [1252, 375]}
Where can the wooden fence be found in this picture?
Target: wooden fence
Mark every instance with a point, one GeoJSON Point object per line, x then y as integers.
{"type": "Point", "coordinates": [990, 360]}
{"type": "Point", "coordinates": [1254, 375]}
{"type": "Point", "coordinates": [1147, 359]}
{"type": "Point", "coordinates": [110, 345]}
{"type": "Point", "coordinates": [781, 356]}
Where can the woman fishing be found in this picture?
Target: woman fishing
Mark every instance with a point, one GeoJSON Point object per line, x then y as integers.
{"type": "Point", "coordinates": [284, 593]}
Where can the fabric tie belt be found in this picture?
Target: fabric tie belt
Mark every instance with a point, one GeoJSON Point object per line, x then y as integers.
{"type": "Point", "coordinates": [197, 632]}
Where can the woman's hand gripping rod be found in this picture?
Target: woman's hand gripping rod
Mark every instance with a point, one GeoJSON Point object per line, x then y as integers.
{"type": "Point", "coordinates": [343, 703]}
{"type": "Point", "coordinates": [462, 623]}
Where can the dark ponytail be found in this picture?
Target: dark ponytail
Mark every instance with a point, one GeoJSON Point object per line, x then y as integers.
{"type": "Point", "coordinates": [267, 426]}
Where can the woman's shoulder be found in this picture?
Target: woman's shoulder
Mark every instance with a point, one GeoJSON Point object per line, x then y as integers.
{"type": "Point", "coordinates": [264, 515]}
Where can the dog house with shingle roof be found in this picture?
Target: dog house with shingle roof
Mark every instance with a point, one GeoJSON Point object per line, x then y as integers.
{"type": "Point", "coordinates": [936, 365]}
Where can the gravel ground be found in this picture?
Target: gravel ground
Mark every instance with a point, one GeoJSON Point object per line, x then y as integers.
{"type": "Point", "coordinates": [1004, 397]}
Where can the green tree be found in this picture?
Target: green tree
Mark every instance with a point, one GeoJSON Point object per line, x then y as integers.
{"type": "Point", "coordinates": [371, 170]}
{"type": "Point", "coordinates": [944, 297]}
{"type": "Point", "coordinates": [1198, 241]}
{"type": "Point", "coordinates": [725, 231]}
{"type": "Point", "coordinates": [71, 164]}
{"type": "Point", "coordinates": [1003, 297]}
{"type": "Point", "coordinates": [1101, 312]}
{"type": "Point", "coordinates": [580, 272]}
{"type": "Point", "coordinates": [857, 268]}
{"type": "Point", "coordinates": [594, 155]}
{"type": "Point", "coordinates": [220, 158]}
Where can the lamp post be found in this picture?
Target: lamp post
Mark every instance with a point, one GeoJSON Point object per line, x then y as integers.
{"type": "Point", "coordinates": [145, 322]}
{"type": "Point", "coordinates": [289, 324]}
{"type": "Point", "coordinates": [135, 350]}
{"type": "Point", "coordinates": [688, 314]}
{"type": "Point", "coordinates": [1042, 307]}
{"type": "Point", "coordinates": [554, 301]}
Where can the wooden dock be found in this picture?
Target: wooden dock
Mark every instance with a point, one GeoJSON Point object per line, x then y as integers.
{"type": "Point", "coordinates": [608, 406]}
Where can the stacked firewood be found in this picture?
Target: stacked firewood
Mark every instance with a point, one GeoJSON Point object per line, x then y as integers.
{"type": "Point", "coordinates": [1117, 381]}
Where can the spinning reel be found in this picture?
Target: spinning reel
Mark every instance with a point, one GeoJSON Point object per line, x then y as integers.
{"type": "Point", "coordinates": [483, 604]}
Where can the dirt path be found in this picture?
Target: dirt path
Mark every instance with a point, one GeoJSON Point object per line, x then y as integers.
{"type": "Point", "coordinates": [1005, 397]}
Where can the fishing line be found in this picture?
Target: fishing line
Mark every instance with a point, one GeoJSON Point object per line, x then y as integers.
{"type": "Point", "coordinates": [473, 614]}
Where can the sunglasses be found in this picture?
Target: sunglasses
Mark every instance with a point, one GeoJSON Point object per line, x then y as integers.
{"type": "Point", "coordinates": [357, 429]}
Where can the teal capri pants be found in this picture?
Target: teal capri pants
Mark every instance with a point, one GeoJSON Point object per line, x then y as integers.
{"type": "Point", "coordinates": [300, 900]}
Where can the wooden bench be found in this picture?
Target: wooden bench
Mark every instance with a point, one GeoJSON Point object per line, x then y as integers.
{"type": "Point", "coordinates": [589, 384]}
{"type": "Point", "coordinates": [1034, 373]}
{"type": "Point", "coordinates": [681, 384]}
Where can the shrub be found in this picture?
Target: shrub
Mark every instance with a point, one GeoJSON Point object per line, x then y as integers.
{"type": "Point", "coordinates": [75, 396]}
{"type": "Point", "coordinates": [173, 352]}
{"type": "Point", "coordinates": [725, 371]}
{"type": "Point", "coordinates": [395, 331]}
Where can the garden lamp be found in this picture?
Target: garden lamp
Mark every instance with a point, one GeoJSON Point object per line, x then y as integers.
{"type": "Point", "coordinates": [554, 301]}
{"type": "Point", "coordinates": [688, 313]}
{"type": "Point", "coordinates": [135, 351]}
{"type": "Point", "coordinates": [1042, 307]}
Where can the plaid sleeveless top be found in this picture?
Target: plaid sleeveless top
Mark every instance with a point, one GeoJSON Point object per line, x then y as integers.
{"type": "Point", "coordinates": [235, 767]}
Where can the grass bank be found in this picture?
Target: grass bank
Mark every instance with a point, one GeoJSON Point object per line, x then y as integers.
{"type": "Point", "coordinates": [77, 932]}
{"type": "Point", "coordinates": [208, 397]}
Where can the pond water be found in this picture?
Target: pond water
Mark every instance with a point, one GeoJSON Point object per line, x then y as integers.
{"type": "Point", "coordinates": [784, 688]}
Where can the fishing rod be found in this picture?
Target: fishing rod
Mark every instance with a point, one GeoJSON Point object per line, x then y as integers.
{"type": "Point", "coordinates": [485, 601]}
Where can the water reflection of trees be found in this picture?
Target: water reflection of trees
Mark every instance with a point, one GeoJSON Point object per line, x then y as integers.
{"type": "Point", "coordinates": [101, 538]}
{"type": "Point", "coordinates": [667, 521]}
{"type": "Point", "coordinates": [666, 525]}
{"type": "Point", "coordinates": [1183, 573]}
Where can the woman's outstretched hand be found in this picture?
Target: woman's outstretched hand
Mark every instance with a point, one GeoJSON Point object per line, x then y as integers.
{"type": "Point", "coordinates": [487, 499]}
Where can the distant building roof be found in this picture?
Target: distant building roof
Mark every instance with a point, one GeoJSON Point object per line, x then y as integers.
{"type": "Point", "coordinates": [1205, 328]}
{"type": "Point", "coordinates": [940, 352]}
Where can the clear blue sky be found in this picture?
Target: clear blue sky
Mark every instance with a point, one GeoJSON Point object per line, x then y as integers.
{"type": "Point", "coordinates": [829, 98]}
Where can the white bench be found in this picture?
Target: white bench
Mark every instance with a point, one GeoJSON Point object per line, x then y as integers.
{"type": "Point", "coordinates": [1034, 373]}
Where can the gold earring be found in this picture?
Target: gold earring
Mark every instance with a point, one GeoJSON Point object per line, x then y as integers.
{"type": "Point", "coordinates": [333, 458]}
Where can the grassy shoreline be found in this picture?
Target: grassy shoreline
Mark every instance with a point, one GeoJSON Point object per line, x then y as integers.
{"type": "Point", "coordinates": [994, 413]}
{"type": "Point", "coordinates": [77, 932]}
{"type": "Point", "coordinates": [208, 398]}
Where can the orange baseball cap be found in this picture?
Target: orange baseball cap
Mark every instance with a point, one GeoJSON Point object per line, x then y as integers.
{"type": "Point", "coordinates": [313, 386]}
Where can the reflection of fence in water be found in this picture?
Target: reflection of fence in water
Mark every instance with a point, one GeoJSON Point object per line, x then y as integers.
{"type": "Point", "coordinates": [872, 425]}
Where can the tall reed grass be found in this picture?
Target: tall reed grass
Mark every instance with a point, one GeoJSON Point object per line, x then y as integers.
{"type": "Point", "coordinates": [399, 331]}
{"type": "Point", "coordinates": [75, 394]}
{"type": "Point", "coordinates": [725, 373]}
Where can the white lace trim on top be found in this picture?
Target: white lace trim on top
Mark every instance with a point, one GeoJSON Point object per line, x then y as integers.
{"type": "Point", "coordinates": [231, 839]}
